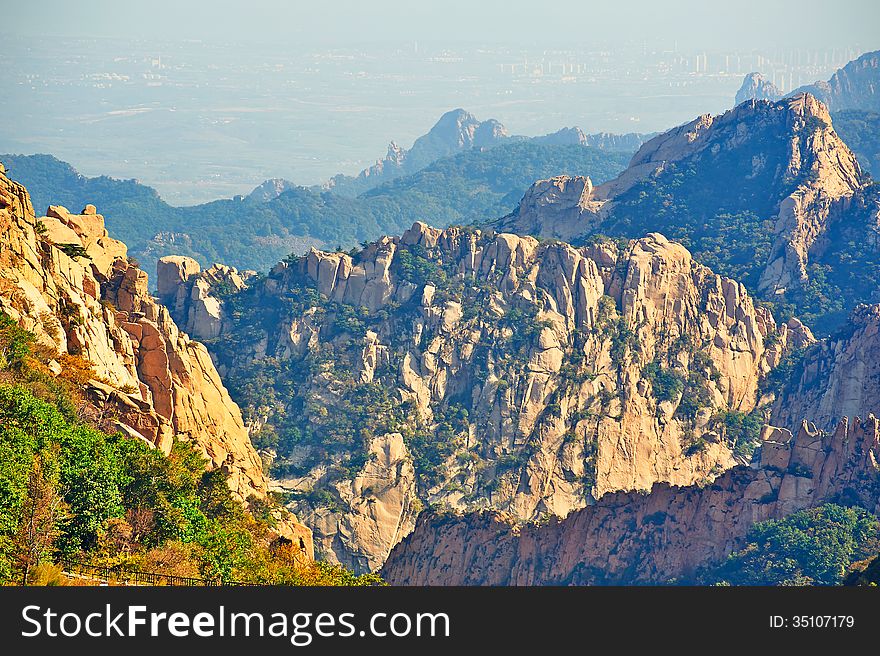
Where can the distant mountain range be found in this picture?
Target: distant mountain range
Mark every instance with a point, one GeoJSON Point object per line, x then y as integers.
{"type": "Point", "coordinates": [278, 218]}
{"type": "Point", "coordinates": [855, 86]}
{"type": "Point", "coordinates": [455, 132]}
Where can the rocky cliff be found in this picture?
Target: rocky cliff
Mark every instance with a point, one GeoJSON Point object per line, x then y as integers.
{"type": "Point", "coordinates": [484, 370]}
{"type": "Point", "coordinates": [64, 279]}
{"type": "Point", "coordinates": [773, 178]}
{"type": "Point", "coordinates": [837, 377]}
{"type": "Point", "coordinates": [668, 535]}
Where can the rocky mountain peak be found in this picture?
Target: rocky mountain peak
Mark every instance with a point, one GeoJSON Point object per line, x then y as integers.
{"type": "Point", "coordinates": [808, 177]}
{"type": "Point", "coordinates": [757, 87]}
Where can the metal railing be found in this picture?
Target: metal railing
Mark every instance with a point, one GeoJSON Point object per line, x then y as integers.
{"type": "Point", "coordinates": [120, 576]}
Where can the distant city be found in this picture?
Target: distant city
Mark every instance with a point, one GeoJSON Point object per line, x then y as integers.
{"type": "Point", "coordinates": [200, 121]}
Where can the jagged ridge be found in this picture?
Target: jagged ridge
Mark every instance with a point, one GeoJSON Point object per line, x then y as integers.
{"type": "Point", "coordinates": [538, 376]}
{"type": "Point", "coordinates": [665, 536]}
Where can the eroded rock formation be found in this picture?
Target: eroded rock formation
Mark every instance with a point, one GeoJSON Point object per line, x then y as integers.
{"type": "Point", "coordinates": [526, 376]}
{"type": "Point", "coordinates": [64, 279]}
{"type": "Point", "coordinates": [809, 180]}
{"type": "Point", "coordinates": [837, 377]}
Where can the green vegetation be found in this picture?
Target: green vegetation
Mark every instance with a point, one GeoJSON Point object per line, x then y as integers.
{"type": "Point", "coordinates": [471, 187]}
{"type": "Point", "coordinates": [722, 205]}
{"type": "Point", "coordinates": [787, 372]}
{"type": "Point", "coordinates": [811, 547]}
{"type": "Point", "coordinates": [742, 430]}
{"type": "Point", "coordinates": [70, 491]}
{"type": "Point", "coordinates": [667, 384]}
{"type": "Point", "coordinates": [74, 251]}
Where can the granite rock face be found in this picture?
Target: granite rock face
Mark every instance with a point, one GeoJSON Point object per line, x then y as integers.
{"type": "Point", "coordinates": [667, 535]}
{"type": "Point", "coordinates": [816, 183]}
{"type": "Point", "coordinates": [837, 377]}
{"type": "Point", "coordinates": [555, 374]}
{"type": "Point", "coordinates": [193, 295]}
{"type": "Point", "coordinates": [65, 280]}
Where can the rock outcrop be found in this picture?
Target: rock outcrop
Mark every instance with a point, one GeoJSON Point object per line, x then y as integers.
{"type": "Point", "coordinates": [270, 189]}
{"type": "Point", "coordinates": [65, 280]}
{"type": "Point", "coordinates": [527, 376]}
{"type": "Point", "coordinates": [380, 505]}
{"type": "Point", "coordinates": [837, 377]}
{"type": "Point", "coordinates": [193, 295]}
{"type": "Point", "coordinates": [756, 87]}
{"type": "Point", "coordinates": [666, 536]}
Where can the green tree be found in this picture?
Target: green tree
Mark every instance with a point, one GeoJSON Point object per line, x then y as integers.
{"type": "Point", "coordinates": [41, 513]}
{"type": "Point", "coordinates": [810, 547]}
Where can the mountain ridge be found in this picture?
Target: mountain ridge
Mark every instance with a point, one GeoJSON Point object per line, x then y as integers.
{"type": "Point", "coordinates": [593, 369]}
{"type": "Point", "coordinates": [795, 180]}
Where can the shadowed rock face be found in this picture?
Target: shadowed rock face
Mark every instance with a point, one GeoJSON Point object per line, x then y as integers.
{"type": "Point", "coordinates": [542, 414]}
{"type": "Point", "coordinates": [667, 535]}
{"type": "Point", "coordinates": [151, 381]}
{"type": "Point", "coordinates": [837, 377]}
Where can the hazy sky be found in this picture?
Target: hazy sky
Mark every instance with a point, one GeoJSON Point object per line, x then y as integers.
{"type": "Point", "coordinates": [692, 23]}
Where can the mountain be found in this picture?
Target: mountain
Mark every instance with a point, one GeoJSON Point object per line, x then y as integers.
{"type": "Point", "coordinates": [121, 420]}
{"type": "Point", "coordinates": [756, 87]}
{"type": "Point", "coordinates": [670, 535]}
{"type": "Point", "coordinates": [766, 193]}
{"type": "Point", "coordinates": [69, 283]}
{"type": "Point", "coordinates": [455, 131]}
{"type": "Point", "coordinates": [472, 186]}
{"type": "Point", "coordinates": [458, 131]}
{"type": "Point", "coordinates": [677, 533]}
{"type": "Point", "coordinates": [626, 143]}
{"type": "Point", "coordinates": [851, 98]}
{"type": "Point", "coordinates": [470, 369]}
{"type": "Point", "coordinates": [855, 86]}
